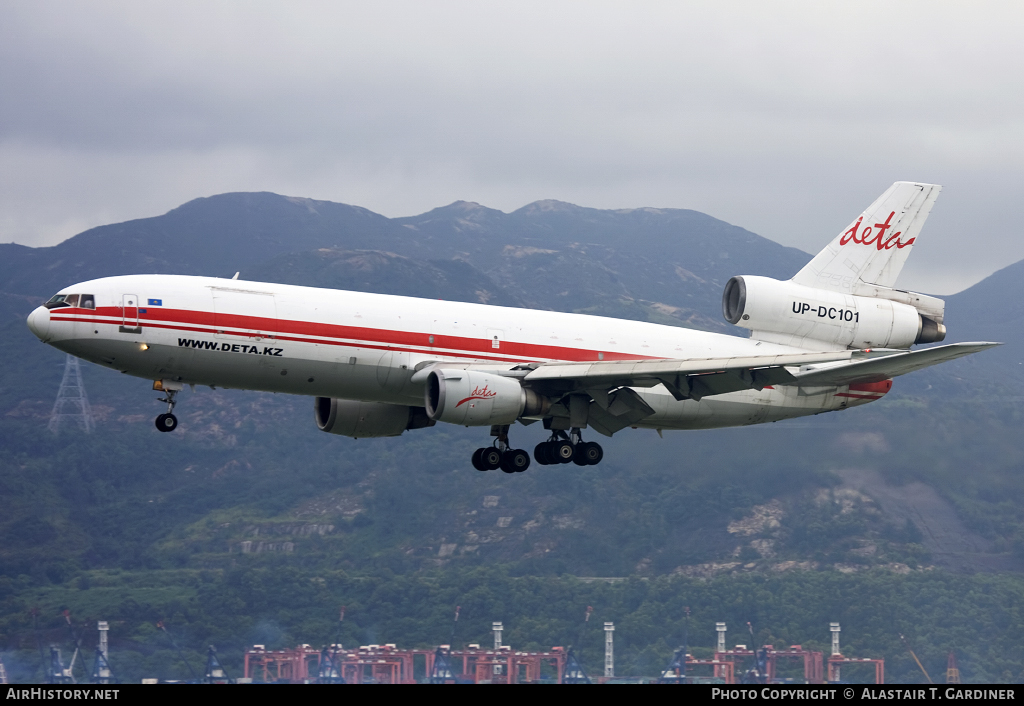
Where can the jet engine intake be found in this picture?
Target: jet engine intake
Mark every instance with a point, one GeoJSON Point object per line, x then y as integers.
{"type": "Point", "coordinates": [362, 420]}
{"type": "Point", "coordinates": [472, 398]}
{"type": "Point", "coordinates": [788, 313]}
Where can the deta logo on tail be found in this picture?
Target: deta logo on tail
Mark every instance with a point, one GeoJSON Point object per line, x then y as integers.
{"type": "Point", "coordinates": [876, 238]}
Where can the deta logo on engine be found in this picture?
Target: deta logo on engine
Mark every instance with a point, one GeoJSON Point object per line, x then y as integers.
{"type": "Point", "coordinates": [479, 393]}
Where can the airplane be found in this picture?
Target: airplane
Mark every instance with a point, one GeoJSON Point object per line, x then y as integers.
{"type": "Point", "coordinates": [831, 338]}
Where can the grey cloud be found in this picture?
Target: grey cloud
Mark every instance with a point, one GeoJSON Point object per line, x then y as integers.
{"type": "Point", "coordinates": [786, 120]}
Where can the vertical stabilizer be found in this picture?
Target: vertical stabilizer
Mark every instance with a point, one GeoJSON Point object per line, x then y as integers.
{"type": "Point", "coordinates": [874, 248]}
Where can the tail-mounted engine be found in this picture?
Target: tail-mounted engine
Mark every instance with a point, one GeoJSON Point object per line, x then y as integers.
{"type": "Point", "coordinates": [472, 398]}
{"type": "Point", "coordinates": [788, 312]}
{"type": "Point", "coordinates": [362, 420]}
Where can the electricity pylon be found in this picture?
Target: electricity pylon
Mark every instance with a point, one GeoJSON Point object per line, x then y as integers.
{"type": "Point", "coordinates": [72, 403]}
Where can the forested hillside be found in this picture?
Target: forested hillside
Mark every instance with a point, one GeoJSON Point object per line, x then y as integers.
{"type": "Point", "coordinates": [249, 525]}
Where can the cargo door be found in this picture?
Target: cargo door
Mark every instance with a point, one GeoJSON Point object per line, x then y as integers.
{"type": "Point", "coordinates": [244, 315]}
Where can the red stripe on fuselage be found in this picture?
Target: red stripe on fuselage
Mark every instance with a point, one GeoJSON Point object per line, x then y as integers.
{"type": "Point", "coordinates": [355, 336]}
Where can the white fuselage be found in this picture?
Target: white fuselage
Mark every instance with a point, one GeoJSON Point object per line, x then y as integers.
{"type": "Point", "coordinates": [353, 345]}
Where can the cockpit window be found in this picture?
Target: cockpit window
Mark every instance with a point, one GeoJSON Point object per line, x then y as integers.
{"type": "Point", "coordinates": [56, 301]}
{"type": "Point", "coordinates": [84, 301]}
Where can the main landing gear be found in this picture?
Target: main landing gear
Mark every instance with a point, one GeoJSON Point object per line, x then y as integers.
{"type": "Point", "coordinates": [563, 448]}
{"type": "Point", "coordinates": [560, 448]}
{"type": "Point", "coordinates": [501, 455]}
{"type": "Point", "coordinates": [168, 422]}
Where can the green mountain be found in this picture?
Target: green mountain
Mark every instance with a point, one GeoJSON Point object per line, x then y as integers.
{"type": "Point", "coordinates": [664, 265]}
{"type": "Point", "coordinates": [224, 525]}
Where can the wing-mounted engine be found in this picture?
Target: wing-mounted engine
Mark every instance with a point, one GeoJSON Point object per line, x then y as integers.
{"type": "Point", "coordinates": [473, 398]}
{"type": "Point", "coordinates": [362, 420]}
{"type": "Point", "coordinates": [869, 316]}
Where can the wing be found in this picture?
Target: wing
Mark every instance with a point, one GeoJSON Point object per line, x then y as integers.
{"type": "Point", "coordinates": [617, 406]}
{"type": "Point", "coordinates": [694, 378]}
{"type": "Point", "coordinates": [608, 383]}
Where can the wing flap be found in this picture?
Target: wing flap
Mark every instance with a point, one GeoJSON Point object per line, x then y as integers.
{"type": "Point", "coordinates": [625, 408]}
{"type": "Point", "coordinates": [684, 378]}
{"type": "Point", "coordinates": [636, 372]}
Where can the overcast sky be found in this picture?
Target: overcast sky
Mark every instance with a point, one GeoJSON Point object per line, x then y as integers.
{"type": "Point", "coordinates": [784, 118]}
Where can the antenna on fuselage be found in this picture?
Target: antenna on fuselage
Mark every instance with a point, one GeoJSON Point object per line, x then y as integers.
{"type": "Point", "coordinates": [236, 275]}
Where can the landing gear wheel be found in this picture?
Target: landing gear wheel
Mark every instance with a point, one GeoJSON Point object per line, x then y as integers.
{"type": "Point", "coordinates": [490, 458]}
{"type": "Point", "coordinates": [502, 455]}
{"type": "Point", "coordinates": [561, 451]}
{"type": "Point", "coordinates": [542, 453]}
{"type": "Point", "coordinates": [505, 466]}
{"type": "Point", "coordinates": [515, 461]}
{"type": "Point", "coordinates": [520, 460]}
{"type": "Point", "coordinates": [579, 455]}
{"type": "Point", "coordinates": [166, 422]}
{"type": "Point", "coordinates": [591, 451]}
{"type": "Point", "coordinates": [478, 460]}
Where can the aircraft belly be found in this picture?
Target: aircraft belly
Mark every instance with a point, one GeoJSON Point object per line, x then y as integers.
{"type": "Point", "coordinates": [325, 371]}
{"type": "Point", "coordinates": [127, 356]}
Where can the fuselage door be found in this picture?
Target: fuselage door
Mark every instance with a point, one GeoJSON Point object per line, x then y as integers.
{"type": "Point", "coordinates": [130, 314]}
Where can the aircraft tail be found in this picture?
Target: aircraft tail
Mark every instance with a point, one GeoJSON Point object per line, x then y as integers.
{"type": "Point", "coordinates": [873, 249]}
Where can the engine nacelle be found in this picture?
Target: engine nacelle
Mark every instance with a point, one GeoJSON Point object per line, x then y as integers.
{"type": "Point", "coordinates": [472, 398]}
{"type": "Point", "coordinates": [787, 312]}
{"type": "Point", "coordinates": [362, 420]}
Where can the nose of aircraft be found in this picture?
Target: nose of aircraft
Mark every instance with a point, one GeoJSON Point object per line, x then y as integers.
{"type": "Point", "coordinates": [39, 322]}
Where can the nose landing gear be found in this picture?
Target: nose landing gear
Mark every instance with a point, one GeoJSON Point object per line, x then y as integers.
{"type": "Point", "coordinates": [501, 455]}
{"type": "Point", "coordinates": [565, 448]}
{"type": "Point", "coordinates": [167, 422]}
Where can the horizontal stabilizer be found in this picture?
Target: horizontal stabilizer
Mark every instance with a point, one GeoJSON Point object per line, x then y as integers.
{"type": "Point", "coordinates": [883, 368]}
